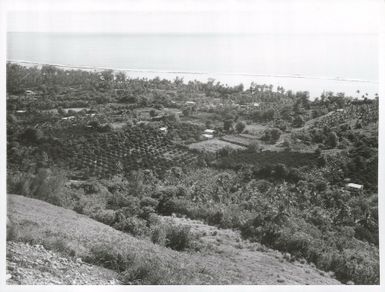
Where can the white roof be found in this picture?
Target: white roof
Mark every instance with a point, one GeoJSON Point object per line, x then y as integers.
{"type": "Point", "coordinates": [68, 118]}
{"type": "Point", "coordinates": [209, 131]}
{"type": "Point", "coordinates": [190, 102]}
{"type": "Point", "coordinates": [163, 128]}
{"type": "Point", "coordinates": [355, 186]}
{"type": "Point", "coordinates": [21, 111]}
{"type": "Point", "coordinates": [208, 136]}
{"type": "Point", "coordinates": [255, 104]}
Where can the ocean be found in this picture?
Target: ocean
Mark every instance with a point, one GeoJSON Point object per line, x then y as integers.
{"type": "Point", "coordinates": [315, 63]}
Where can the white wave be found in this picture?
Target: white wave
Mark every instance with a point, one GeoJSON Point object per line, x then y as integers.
{"type": "Point", "coordinates": [209, 74]}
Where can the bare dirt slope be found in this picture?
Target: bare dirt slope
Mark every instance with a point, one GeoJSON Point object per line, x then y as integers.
{"type": "Point", "coordinates": [227, 260]}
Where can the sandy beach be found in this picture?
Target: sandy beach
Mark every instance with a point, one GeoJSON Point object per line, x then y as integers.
{"type": "Point", "coordinates": [315, 85]}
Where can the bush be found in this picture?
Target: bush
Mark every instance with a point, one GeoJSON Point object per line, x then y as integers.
{"type": "Point", "coordinates": [225, 151]}
{"type": "Point", "coordinates": [19, 183]}
{"type": "Point", "coordinates": [149, 202]}
{"type": "Point", "coordinates": [281, 171]}
{"type": "Point", "coordinates": [240, 126]}
{"type": "Point", "coordinates": [104, 256]}
{"type": "Point", "coordinates": [158, 235]}
{"type": "Point", "coordinates": [133, 268]}
{"type": "Point", "coordinates": [169, 204]}
{"type": "Point", "coordinates": [254, 147]}
{"type": "Point", "coordinates": [149, 271]}
{"type": "Point", "coordinates": [332, 140]}
{"type": "Point", "coordinates": [46, 185]}
{"type": "Point", "coordinates": [12, 232]}
{"type": "Point", "coordinates": [130, 204]}
{"type": "Point", "coordinates": [105, 216]}
{"type": "Point", "coordinates": [133, 225]}
{"type": "Point", "coordinates": [271, 135]}
{"type": "Point", "coordinates": [32, 136]}
{"type": "Point", "coordinates": [359, 264]}
{"type": "Point", "coordinates": [179, 237]}
{"type": "Point", "coordinates": [298, 243]}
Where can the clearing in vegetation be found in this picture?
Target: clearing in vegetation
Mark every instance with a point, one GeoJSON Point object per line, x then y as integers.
{"type": "Point", "coordinates": [214, 145]}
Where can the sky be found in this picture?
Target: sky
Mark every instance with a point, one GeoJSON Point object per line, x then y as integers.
{"type": "Point", "coordinates": [196, 16]}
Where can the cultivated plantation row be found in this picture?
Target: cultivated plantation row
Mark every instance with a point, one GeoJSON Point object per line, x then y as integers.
{"type": "Point", "coordinates": [107, 154]}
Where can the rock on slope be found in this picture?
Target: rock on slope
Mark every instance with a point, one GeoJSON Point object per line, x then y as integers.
{"type": "Point", "coordinates": [34, 265]}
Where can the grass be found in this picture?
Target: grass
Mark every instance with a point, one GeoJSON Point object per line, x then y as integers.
{"type": "Point", "coordinates": [239, 140]}
{"type": "Point", "coordinates": [214, 145]}
{"type": "Point", "coordinates": [142, 262]}
{"type": "Point", "coordinates": [56, 228]}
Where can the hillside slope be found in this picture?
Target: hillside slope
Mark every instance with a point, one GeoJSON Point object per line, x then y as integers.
{"type": "Point", "coordinates": [34, 265]}
{"type": "Point", "coordinates": [38, 222]}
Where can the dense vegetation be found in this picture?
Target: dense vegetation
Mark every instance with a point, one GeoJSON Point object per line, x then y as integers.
{"type": "Point", "coordinates": [285, 189]}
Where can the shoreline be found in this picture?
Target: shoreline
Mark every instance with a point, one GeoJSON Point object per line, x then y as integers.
{"type": "Point", "coordinates": [296, 83]}
{"type": "Point", "coordinates": [95, 68]}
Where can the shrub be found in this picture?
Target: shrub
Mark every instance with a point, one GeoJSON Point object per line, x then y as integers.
{"type": "Point", "coordinates": [298, 121]}
{"type": "Point", "coordinates": [254, 147]}
{"type": "Point", "coordinates": [149, 271]}
{"type": "Point", "coordinates": [133, 225]}
{"type": "Point", "coordinates": [166, 206]}
{"type": "Point", "coordinates": [12, 232]}
{"type": "Point", "coordinates": [169, 204]}
{"type": "Point", "coordinates": [271, 135]}
{"type": "Point", "coordinates": [103, 255]}
{"type": "Point", "coordinates": [130, 204]}
{"type": "Point", "coordinates": [18, 183]}
{"type": "Point", "coordinates": [105, 216]}
{"type": "Point", "coordinates": [298, 243]}
{"type": "Point", "coordinates": [359, 264]}
{"type": "Point", "coordinates": [158, 235]}
{"type": "Point", "coordinates": [32, 136]}
{"type": "Point", "coordinates": [150, 202]}
{"type": "Point", "coordinates": [281, 171]}
{"type": "Point", "coordinates": [225, 151]}
{"type": "Point", "coordinates": [240, 126]}
{"type": "Point", "coordinates": [178, 237]}
{"type": "Point", "coordinates": [46, 185]}
{"type": "Point", "coordinates": [332, 140]}
{"type": "Point", "coordinates": [215, 218]}
{"type": "Point", "coordinates": [133, 268]}
{"type": "Point", "coordinates": [146, 211]}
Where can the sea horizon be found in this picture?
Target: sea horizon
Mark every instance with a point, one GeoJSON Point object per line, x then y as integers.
{"type": "Point", "coordinates": [169, 56]}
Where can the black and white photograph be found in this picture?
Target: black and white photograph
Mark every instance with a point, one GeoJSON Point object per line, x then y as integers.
{"type": "Point", "coordinates": [231, 143]}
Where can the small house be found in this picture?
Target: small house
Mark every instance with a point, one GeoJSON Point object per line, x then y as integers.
{"type": "Point", "coordinates": [255, 104]}
{"type": "Point", "coordinates": [209, 131]}
{"type": "Point", "coordinates": [208, 136]}
{"type": "Point", "coordinates": [354, 186]}
{"type": "Point", "coordinates": [29, 92]}
{"type": "Point", "coordinates": [340, 110]}
{"type": "Point", "coordinates": [190, 102]}
{"type": "Point", "coordinates": [163, 129]}
{"type": "Point", "coordinates": [21, 111]}
{"type": "Point", "coordinates": [68, 118]}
